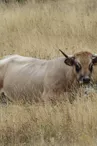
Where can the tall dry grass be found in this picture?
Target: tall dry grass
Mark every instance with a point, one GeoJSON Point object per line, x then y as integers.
{"type": "Point", "coordinates": [39, 30]}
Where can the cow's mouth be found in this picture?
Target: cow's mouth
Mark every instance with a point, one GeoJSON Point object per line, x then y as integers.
{"type": "Point", "coordinates": [84, 80]}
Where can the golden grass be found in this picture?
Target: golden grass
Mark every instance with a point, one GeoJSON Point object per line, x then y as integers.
{"type": "Point", "coordinates": [39, 30]}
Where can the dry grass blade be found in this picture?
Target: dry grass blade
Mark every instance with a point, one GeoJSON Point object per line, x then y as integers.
{"type": "Point", "coordinates": [37, 30]}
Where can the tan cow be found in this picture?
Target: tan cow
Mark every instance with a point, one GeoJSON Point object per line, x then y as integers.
{"type": "Point", "coordinates": [24, 77]}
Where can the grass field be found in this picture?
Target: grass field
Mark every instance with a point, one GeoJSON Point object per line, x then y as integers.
{"type": "Point", "coordinates": [40, 29]}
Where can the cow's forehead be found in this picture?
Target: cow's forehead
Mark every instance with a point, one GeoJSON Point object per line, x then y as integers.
{"type": "Point", "coordinates": [83, 53]}
{"type": "Point", "coordinates": [83, 57]}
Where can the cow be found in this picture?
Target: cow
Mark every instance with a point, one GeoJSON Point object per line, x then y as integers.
{"type": "Point", "coordinates": [26, 77]}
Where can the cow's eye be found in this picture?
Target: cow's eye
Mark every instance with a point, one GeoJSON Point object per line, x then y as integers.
{"type": "Point", "coordinates": [91, 67]}
{"type": "Point", "coordinates": [78, 67]}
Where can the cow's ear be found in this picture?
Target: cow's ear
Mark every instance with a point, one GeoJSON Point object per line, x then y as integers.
{"type": "Point", "coordinates": [70, 61]}
{"type": "Point", "coordinates": [94, 60]}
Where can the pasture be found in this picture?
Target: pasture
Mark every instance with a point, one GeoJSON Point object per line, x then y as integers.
{"type": "Point", "coordinates": [39, 28]}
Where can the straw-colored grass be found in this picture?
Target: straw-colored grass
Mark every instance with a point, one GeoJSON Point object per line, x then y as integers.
{"type": "Point", "coordinates": [39, 29]}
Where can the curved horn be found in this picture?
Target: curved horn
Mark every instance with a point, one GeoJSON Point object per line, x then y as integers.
{"type": "Point", "coordinates": [94, 59]}
{"type": "Point", "coordinates": [63, 53]}
{"type": "Point", "coordinates": [94, 55]}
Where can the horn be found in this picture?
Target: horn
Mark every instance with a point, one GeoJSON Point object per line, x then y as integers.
{"type": "Point", "coordinates": [94, 55]}
{"type": "Point", "coordinates": [63, 53]}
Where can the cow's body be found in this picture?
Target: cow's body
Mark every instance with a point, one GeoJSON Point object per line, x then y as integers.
{"type": "Point", "coordinates": [22, 77]}
{"type": "Point", "coordinates": [26, 77]}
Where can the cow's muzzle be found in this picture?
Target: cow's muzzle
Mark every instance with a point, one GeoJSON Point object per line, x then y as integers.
{"type": "Point", "coordinates": [84, 80]}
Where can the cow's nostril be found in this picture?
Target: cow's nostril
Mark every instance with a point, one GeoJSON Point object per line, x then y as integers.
{"type": "Point", "coordinates": [86, 80]}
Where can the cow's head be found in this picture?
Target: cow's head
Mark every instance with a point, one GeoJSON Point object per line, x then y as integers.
{"type": "Point", "coordinates": [82, 64]}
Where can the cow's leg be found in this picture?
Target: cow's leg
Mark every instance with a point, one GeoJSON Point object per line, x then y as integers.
{"type": "Point", "coordinates": [50, 96]}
